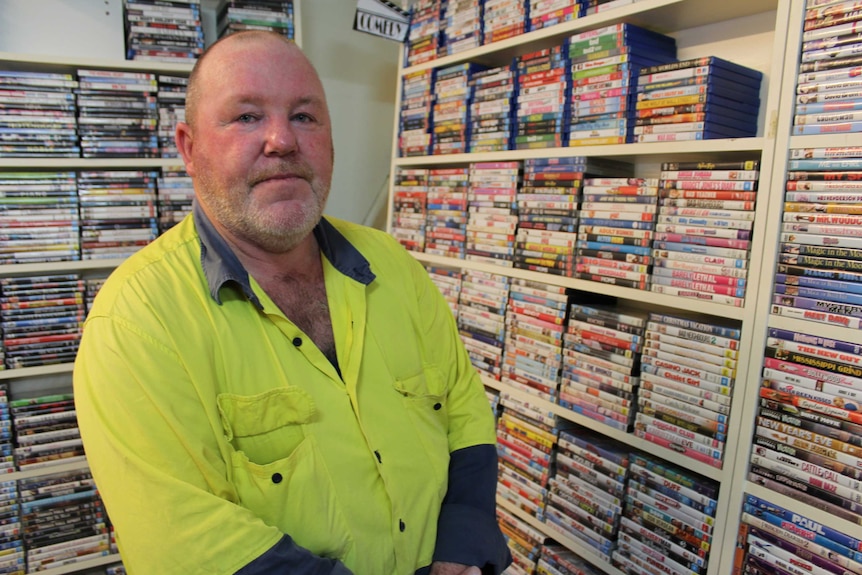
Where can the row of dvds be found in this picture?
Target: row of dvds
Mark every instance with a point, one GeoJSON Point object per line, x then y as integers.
{"type": "Point", "coordinates": [73, 215]}
{"type": "Point", "coordinates": [163, 33]}
{"type": "Point", "coordinates": [443, 27]}
{"type": "Point", "coordinates": [773, 539]}
{"type": "Point", "coordinates": [687, 233]}
{"type": "Point", "coordinates": [808, 438]}
{"type": "Point", "coordinates": [609, 85]}
{"type": "Point", "coordinates": [91, 114]}
{"type": "Point", "coordinates": [635, 511]}
{"type": "Point", "coordinates": [666, 378]}
{"type": "Point", "coordinates": [270, 15]}
{"type": "Point", "coordinates": [828, 91]}
{"type": "Point", "coordinates": [818, 274]}
{"type": "Point", "coordinates": [41, 318]}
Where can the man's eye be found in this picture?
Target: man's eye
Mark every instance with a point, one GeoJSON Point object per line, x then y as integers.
{"type": "Point", "coordinates": [245, 118]}
{"type": "Point", "coordinates": [303, 118]}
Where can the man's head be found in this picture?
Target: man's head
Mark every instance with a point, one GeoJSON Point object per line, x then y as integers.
{"type": "Point", "coordinates": [257, 140]}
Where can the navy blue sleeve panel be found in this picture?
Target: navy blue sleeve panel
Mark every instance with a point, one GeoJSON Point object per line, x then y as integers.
{"type": "Point", "coordinates": [288, 557]}
{"type": "Point", "coordinates": [467, 530]}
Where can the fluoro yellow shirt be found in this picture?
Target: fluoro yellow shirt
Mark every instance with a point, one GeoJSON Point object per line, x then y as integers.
{"type": "Point", "coordinates": [214, 426]}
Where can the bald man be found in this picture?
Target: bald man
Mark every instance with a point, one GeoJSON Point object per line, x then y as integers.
{"type": "Point", "coordinates": [264, 390]}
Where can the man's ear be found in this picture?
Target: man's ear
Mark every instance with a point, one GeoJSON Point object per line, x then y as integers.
{"type": "Point", "coordinates": [184, 140]}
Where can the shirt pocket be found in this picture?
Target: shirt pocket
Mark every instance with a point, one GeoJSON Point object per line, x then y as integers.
{"type": "Point", "coordinates": [424, 398]}
{"type": "Point", "coordinates": [279, 471]}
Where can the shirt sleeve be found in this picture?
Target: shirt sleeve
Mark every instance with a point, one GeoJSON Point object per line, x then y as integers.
{"type": "Point", "coordinates": [153, 449]}
{"type": "Point", "coordinates": [467, 530]}
{"type": "Point", "coordinates": [287, 557]}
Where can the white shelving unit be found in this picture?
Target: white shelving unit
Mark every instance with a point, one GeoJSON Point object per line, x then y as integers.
{"type": "Point", "coordinates": [760, 34]}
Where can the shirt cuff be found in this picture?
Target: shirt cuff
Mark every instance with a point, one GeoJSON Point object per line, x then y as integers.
{"type": "Point", "coordinates": [288, 557]}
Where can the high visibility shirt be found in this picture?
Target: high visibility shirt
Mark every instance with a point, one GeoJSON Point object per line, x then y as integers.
{"type": "Point", "coordinates": [214, 426]}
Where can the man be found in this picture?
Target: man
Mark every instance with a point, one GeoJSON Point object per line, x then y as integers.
{"type": "Point", "coordinates": [266, 391]}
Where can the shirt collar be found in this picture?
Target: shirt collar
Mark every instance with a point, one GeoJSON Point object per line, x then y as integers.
{"type": "Point", "coordinates": [221, 266]}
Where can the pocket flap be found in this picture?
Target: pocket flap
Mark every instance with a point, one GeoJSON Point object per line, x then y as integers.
{"type": "Point", "coordinates": [249, 415]}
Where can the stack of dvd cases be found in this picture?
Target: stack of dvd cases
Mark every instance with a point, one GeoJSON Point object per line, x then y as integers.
{"type": "Point", "coordinates": [810, 396]}
{"type": "Point", "coordinates": [175, 196]}
{"type": "Point", "coordinates": [12, 561]}
{"type": "Point", "coordinates": [601, 350]}
{"type": "Point", "coordinates": [272, 15]}
{"type": "Point", "coordinates": [820, 250]}
{"type": "Point", "coordinates": [117, 115]}
{"type": "Point", "coordinates": [604, 68]}
{"type": "Point", "coordinates": [617, 251]}
{"type": "Point", "coordinates": [689, 368]}
{"type": "Point", "coordinates": [39, 217]}
{"type": "Point", "coordinates": [524, 542]}
{"type": "Point", "coordinates": [37, 115]}
{"type": "Point", "coordinates": [773, 539]}
{"type": "Point", "coordinates": [705, 256]}
{"type": "Point", "coordinates": [544, 13]}
{"type": "Point", "coordinates": [410, 193]}
{"type": "Point", "coordinates": [524, 456]}
{"type": "Point", "coordinates": [448, 281]}
{"type": "Point", "coordinates": [118, 212]}
{"type": "Point", "coordinates": [667, 521]}
{"type": "Point", "coordinates": [7, 458]}
{"type": "Point", "coordinates": [503, 19]}
{"type": "Point", "coordinates": [548, 214]}
{"type": "Point", "coordinates": [492, 212]}
{"type": "Point", "coordinates": [46, 431]}
{"type": "Point", "coordinates": [41, 319]}
{"type": "Point", "coordinates": [697, 99]}
{"type": "Point", "coordinates": [450, 127]}
{"type": "Point", "coordinates": [424, 35]}
{"type": "Point", "coordinates": [555, 559]}
{"type": "Point", "coordinates": [585, 499]}
{"type": "Point", "coordinates": [544, 176]}
{"type": "Point", "coordinates": [171, 100]}
{"type": "Point", "coordinates": [828, 90]}
{"type": "Point", "coordinates": [414, 128]}
{"type": "Point", "coordinates": [446, 215]}
{"type": "Point", "coordinates": [460, 26]}
{"type": "Point", "coordinates": [492, 101]}
{"type": "Point", "coordinates": [481, 320]}
{"type": "Point", "coordinates": [63, 520]}
{"type": "Point", "coordinates": [163, 32]}
{"type": "Point", "coordinates": [543, 90]}
{"type": "Point", "coordinates": [535, 319]}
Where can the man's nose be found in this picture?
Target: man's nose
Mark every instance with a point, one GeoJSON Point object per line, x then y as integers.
{"type": "Point", "coordinates": [280, 137]}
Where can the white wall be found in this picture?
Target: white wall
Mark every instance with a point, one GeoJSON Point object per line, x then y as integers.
{"type": "Point", "coordinates": [358, 70]}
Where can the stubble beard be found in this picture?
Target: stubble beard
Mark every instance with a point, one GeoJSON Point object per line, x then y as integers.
{"type": "Point", "coordinates": [273, 230]}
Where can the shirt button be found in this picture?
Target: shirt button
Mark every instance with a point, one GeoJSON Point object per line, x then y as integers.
{"type": "Point", "coordinates": [297, 341]}
{"type": "Point", "coordinates": [437, 406]}
{"type": "Point", "coordinates": [401, 525]}
{"type": "Point", "coordinates": [276, 478]}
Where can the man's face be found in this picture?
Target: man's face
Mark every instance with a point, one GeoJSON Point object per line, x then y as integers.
{"type": "Point", "coordinates": [260, 147]}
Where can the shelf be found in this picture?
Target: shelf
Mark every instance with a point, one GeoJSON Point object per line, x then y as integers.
{"type": "Point", "coordinates": [659, 15]}
{"type": "Point", "coordinates": [89, 163]}
{"type": "Point", "coordinates": [570, 543]}
{"type": "Point", "coordinates": [817, 328]}
{"type": "Point", "coordinates": [76, 465]}
{"type": "Point", "coordinates": [803, 509]}
{"type": "Point", "coordinates": [640, 296]}
{"type": "Point", "coordinates": [41, 62]}
{"type": "Point", "coordinates": [623, 437]}
{"type": "Point", "coordinates": [59, 267]}
{"type": "Point", "coordinates": [656, 152]}
{"type": "Point", "coordinates": [83, 565]}
{"type": "Point", "coordinates": [27, 372]}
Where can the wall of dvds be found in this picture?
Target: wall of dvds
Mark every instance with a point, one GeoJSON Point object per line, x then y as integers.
{"type": "Point", "coordinates": [88, 175]}
{"type": "Point", "coordinates": [687, 408]}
